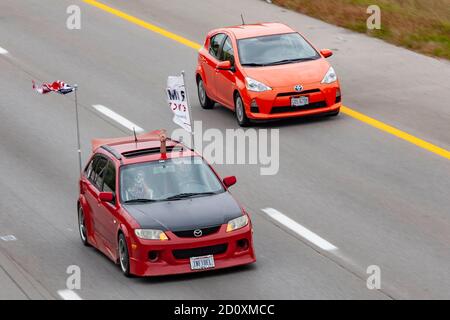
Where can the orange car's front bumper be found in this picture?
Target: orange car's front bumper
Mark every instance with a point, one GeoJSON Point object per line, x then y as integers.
{"type": "Point", "coordinates": [276, 103]}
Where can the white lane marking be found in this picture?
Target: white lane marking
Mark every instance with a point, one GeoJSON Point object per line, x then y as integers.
{"type": "Point", "coordinates": [118, 118]}
{"type": "Point", "coordinates": [299, 229]}
{"type": "Point", "coordinates": [3, 51]}
{"type": "Point", "coordinates": [8, 237]}
{"type": "Point", "coordinates": [69, 295]}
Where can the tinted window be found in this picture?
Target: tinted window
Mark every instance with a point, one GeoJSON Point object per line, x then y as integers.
{"type": "Point", "coordinates": [91, 174]}
{"type": "Point", "coordinates": [275, 49]}
{"type": "Point", "coordinates": [97, 173]}
{"type": "Point", "coordinates": [214, 46]}
{"type": "Point", "coordinates": [159, 180]}
{"type": "Point", "coordinates": [88, 170]}
{"type": "Point", "coordinates": [109, 180]}
{"type": "Point", "coordinates": [227, 51]}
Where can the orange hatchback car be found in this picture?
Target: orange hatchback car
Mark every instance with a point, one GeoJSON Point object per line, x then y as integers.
{"type": "Point", "coordinates": [266, 71]}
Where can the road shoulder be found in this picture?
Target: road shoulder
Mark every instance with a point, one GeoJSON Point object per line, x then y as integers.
{"type": "Point", "coordinates": [16, 284]}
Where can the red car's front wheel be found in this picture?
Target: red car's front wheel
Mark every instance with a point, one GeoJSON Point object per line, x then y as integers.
{"type": "Point", "coordinates": [124, 257]}
{"type": "Point", "coordinates": [82, 227]}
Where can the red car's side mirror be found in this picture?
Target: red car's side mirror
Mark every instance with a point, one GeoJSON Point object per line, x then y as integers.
{"type": "Point", "coordinates": [326, 53]}
{"type": "Point", "coordinates": [229, 181]}
{"type": "Point", "coordinates": [224, 65]}
{"type": "Point", "coordinates": [106, 196]}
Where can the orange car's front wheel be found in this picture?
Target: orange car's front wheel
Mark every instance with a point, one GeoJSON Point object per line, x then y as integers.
{"type": "Point", "coordinates": [241, 115]}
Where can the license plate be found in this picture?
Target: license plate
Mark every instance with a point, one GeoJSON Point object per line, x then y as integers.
{"type": "Point", "coordinates": [299, 101]}
{"type": "Point", "coordinates": [201, 263]}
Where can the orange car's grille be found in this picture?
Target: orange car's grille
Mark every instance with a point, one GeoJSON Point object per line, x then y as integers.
{"type": "Point", "coordinates": [288, 94]}
{"type": "Point", "coordinates": [285, 109]}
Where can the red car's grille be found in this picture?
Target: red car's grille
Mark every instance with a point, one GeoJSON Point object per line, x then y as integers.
{"type": "Point", "coordinates": [313, 105]}
{"type": "Point", "coordinates": [190, 233]}
{"type": "Point", "coordinates": [202, 251]}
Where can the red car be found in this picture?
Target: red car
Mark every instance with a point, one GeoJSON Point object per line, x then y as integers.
{"type": "Point", "coordinates": [158, 208]}
{"type": "Point", "coordinates": [266, 71]}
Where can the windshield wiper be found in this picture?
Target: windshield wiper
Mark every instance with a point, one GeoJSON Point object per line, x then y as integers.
{"type": "Point", "coordinates": [188, 195]}
{"type": "Point", "coordinates": [252, 64]}
{"type": "Point", "coordinates": [140, 200]}
{"type": "Point", "coordinates": [286, 61]}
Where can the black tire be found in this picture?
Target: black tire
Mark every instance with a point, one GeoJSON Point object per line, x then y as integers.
{"type": "Point", "coordinates": [334, 114]}
{"type": "Point", "coordinates": [203, 98]}
{"type": "Point", "coordinates": [239, 111]}
{"type": "Point", "coordinates": [124, 257]}
{"type": "Point", "coordinates": [82, 227]}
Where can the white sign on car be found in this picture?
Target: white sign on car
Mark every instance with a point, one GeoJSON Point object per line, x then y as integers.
{"type": "Point", "coordinates": [178, 102]}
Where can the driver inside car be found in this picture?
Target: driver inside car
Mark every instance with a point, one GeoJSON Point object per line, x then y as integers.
{"type": "Point", "coordinates": [137, 187]}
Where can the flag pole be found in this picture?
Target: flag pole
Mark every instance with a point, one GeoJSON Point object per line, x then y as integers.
{"type": "Point", "coordinates": [78, 127]}
{"type": "Point", "coordinates": [189, 108]}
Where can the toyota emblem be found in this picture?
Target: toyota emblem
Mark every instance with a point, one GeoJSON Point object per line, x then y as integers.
{"type": "Point", "coordinates": [198, 233]}
{"type": "Point", "coordinates": [298, 88]}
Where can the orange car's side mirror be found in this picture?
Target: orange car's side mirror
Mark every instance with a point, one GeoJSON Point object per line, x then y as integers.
{"type": "Point", "coordinates": [224, 65]}
{"type": "Point", "coordinates": [326, 53]}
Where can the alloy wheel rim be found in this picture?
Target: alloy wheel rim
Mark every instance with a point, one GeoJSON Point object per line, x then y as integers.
{"type": "Point", "coordinates": [201, 92]}
{"type": "Point", "coordinates": [82, 226]}
{"type": "Point", "coordinates": [239, 110]}
{"type": "Point", "coordinates": [122, 255]}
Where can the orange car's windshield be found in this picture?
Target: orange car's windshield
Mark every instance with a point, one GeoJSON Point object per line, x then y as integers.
{"type": "Point", "coordinates": [274, 50]}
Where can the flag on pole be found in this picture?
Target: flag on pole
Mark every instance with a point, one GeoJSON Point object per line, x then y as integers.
{"type": "Point", "coordinates": [58, 86]}
{"type": "Point", "coordinates": [178, 102]}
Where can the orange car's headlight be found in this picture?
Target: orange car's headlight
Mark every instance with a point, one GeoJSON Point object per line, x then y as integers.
{"type": "Point", "coordinates": [330, 76]}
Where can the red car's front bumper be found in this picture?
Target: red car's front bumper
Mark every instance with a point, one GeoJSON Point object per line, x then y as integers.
{"type": "Point", "coordinates": [276, 104]}
{"type": "Point", "coordinates": [228, 248]}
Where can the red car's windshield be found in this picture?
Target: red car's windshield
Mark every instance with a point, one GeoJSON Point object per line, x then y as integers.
{"type": "Point", "coordinates": [167, 179]}
{"type": "Point", "coordinates": [275, 49]}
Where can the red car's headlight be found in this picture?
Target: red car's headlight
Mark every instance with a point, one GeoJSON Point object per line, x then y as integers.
{"type": "Point", "coordinates": [237, 223]}
{"type": "Point", "coordinates": [151, 234]}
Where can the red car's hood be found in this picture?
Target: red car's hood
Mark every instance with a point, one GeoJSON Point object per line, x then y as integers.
{"type": "Point", "coordinates": [289, 74]}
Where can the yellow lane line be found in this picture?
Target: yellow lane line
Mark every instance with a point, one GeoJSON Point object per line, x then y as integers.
{"type": "Point", "coordinates": [349, 112]}
{"type": "Point", "coordinates": [144, 24]}
{"type": "Point", "coordinates": [396, 132]}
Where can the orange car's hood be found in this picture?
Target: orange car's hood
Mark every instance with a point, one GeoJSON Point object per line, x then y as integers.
{"type": "Point", "coordinates": [289, 74]}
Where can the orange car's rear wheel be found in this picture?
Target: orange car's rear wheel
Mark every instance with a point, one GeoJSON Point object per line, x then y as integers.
{"type": "Point", "coordinates": [205, 101]}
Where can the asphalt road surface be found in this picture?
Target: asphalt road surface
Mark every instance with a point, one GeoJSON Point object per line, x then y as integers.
{"type": "Point", "coordinates": [378, 199]}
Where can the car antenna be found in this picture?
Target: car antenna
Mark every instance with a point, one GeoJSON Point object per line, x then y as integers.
{"type": "Point", "coordinates": [135, 137]}
{"type": "Point", "coordinates": [242, 18]}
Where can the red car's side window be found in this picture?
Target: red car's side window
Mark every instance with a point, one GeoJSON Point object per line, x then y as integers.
{"type": "Point", "coordinates": [95, 171]}
{"type": "Point", "coordinates": [109, 181]}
